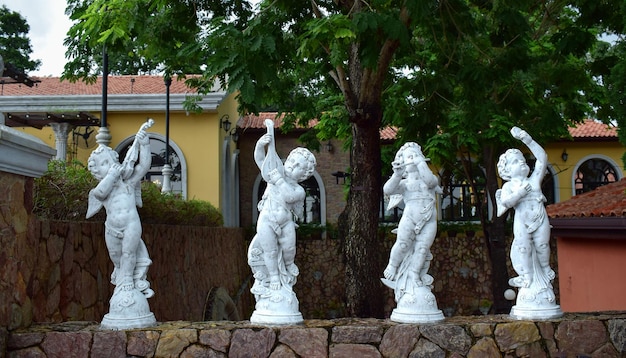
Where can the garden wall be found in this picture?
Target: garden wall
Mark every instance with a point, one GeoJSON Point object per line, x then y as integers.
{"type": "Point", "coordinates": [591, 335]}
{"type": "Point", "coordinates": [60, 271]}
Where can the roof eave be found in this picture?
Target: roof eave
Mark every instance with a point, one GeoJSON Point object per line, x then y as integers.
{"type": "Point", "coordinates": [601, 227]}
{"type": "Point", "coordinates": [115, 103]}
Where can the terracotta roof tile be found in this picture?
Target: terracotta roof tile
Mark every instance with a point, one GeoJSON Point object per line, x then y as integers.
{"type": "Point", "coordinates": [593, 129]}
{"type": "Point", "coordinates": [144, 84]}
{"type": "Point", "coordinates": [252, 121]}
{"type": "Point", "coordinates": [53, 86]}
{"type": "Point", "coordinates": [607, 200]}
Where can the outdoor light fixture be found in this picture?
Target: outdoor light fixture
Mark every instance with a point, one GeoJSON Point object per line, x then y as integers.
{"type": "Point", "coordinates": [225, 123]}
{"type": "Point", "coordinates": [564, 155]}
{"type": "Point", "coordinates": [340, 174]}
{"type": "Point", "coordinates": [235, 135]}
{"type": "Point", "coordinates": [329, 147]}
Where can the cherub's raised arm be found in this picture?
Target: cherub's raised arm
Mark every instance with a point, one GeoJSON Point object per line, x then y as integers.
{"type": "Point", "coordinates": [259, 149]}
{"type": "Point", "coordinates": [541, 157]}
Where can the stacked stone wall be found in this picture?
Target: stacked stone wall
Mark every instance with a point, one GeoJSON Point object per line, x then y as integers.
{"type": "Point", "coordinates": [461, 268]}
{"type": "Point", "coordinates": [591, 335]}
{"type": "Point", "coordinates": [60, 271]}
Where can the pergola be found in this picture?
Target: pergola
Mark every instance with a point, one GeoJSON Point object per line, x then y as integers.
{"type": "Point", "coordinates": [61, 122]}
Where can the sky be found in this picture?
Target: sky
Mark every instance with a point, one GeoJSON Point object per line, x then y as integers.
{"type": "Point", "coordinates": [48, 27]}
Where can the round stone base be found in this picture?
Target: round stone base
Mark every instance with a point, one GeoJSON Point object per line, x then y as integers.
{"type": "Point", "coordinates": [116, 323]}
{"type": "Point", "coordinates": [536, 313]}
{"type": "Point", "coordinates": [414, 317]}
{"type": "Point", "coordinates": [272, 318]}
{"type": "Point", "coordinates": [128, 308]}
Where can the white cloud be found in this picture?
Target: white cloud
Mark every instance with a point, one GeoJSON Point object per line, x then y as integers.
{"type": "Point", "coordinates": [48, 28]}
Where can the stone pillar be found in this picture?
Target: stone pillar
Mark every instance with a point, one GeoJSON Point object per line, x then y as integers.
{"type": "Point", "coordinates": [61, 131]}
{"type": "Point", "coordinates": [167, 175]}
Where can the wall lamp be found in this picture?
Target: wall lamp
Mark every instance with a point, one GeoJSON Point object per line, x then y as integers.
{"type": "Point", "coordinates": [225, 123]}
{"type": "Point", "coordinates": [329, 147]}
{"type": "Point", "coordinates": [564, 155]}
{"type": "Point", "coordinates": [340, 174]}
{"type": "Point", "coordinates": [234, 134]}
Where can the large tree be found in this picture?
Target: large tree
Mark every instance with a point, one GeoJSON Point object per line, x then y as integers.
{"type": "Point", "coordinates": [609, 61]}
{"type": "Point", "coordinates": [482, 68]}
{"type": "Point", "coordinates": [300, 57]}
{"type": "Point", "coordinates": [15, 45]}
{"type": "Point", "coordinates": [453, 74]}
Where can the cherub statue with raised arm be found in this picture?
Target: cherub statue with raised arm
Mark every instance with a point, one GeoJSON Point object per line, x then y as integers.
{"type": "Point", "coordinates": [530, 250]}
{"type": "Point", "coordinates": [119, 192]}
{"type": "Point", "coordinates": [409, 260]}
{"type": "Point", "coordinates": [273, 249]}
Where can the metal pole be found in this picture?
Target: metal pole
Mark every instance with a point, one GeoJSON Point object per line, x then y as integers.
{"type": "Point", "coordinates": [167, 168]}
{"type": "Point", "coordinates": [168, 83]}
{"type": "Point", "coordinates": [104, 137]}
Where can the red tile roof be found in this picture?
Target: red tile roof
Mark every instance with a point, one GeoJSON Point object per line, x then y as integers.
{"type": "Point", "coordinates": [251, 121]}
{"type": "Point", "coordinates": [607, 200]}
{"type": "Point", "coordinates": [591, 129]}
{"type": "Point", "coordinates": [144, 84]}
{"type": "Point", "coordinates": [52, 86]}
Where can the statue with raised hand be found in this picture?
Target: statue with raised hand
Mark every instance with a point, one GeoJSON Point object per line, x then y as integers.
{"type": "Point", "coordinates": [119, 192]}
{"type": "Point", "coordinates": [530, 249]}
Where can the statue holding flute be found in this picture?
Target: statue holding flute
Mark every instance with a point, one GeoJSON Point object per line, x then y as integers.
{"type": "Point", "coordinates": [119, 192]}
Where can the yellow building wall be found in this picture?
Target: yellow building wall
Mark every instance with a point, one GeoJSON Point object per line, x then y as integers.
{"type": "Point", "coordinates": [198, 136]}
{"type": "Point", "coordinates": [577, 152]}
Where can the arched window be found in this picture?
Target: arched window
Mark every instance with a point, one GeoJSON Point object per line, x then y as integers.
{"type": "Point", "coordinates": [314, 204]}
{"type": "Point", "coordinates": [178, 179]}
{"type": "Point", "coordinates": [593, 173]}
{"type": "Point", "coordinates": [459, 200]}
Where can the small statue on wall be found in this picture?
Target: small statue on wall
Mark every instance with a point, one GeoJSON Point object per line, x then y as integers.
{"type": "Point", "coordinates": [119, 191]}
{"type": "Point", "coordinates": [272, 251]}
{"type": "Point", "coordinates": [409, 261]}
{"type": "Point", "coordinates": [530, 250]}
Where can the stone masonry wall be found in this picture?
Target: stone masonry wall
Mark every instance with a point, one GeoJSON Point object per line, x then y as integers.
{"type": "Point", "coordinates": [461, 269]}
{"type": "Point", "coordinates": [590, 335]}
{"type": "Point", "coordinates": [15, 205]}
{"type": "Point", "coordinates": [60, 271]}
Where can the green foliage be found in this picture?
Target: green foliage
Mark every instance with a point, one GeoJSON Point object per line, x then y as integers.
{"type": "Point", "coordinates": [15, 46]}
{"type": "Point", "coordinates": [171, 209]}
{"type": "Point", "coordinates": [62, 194]}
{"type": "Point", "coordinates": [454, 75]}
{"type": "Point", "coordinates": [139, 37]}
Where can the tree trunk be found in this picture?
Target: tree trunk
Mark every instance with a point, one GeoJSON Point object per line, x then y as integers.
{"type": "Point", "coordinates": [362, 248]}
{"type": "Point", "coordinates": [496, 238]}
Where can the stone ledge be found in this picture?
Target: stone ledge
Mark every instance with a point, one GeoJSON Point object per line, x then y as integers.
{"type": "Point", "coordinates": [22, 153]}
{"type": "Point", "coordinates": [574, 335]}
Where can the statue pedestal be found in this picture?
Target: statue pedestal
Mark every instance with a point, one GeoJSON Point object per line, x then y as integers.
{"type": "Point", "coordinates": [276, 307]}
{"type": "Point", "coordinates": [534, 304]}
{"type": "Point", "coordinates": [417, 307]}
{"type": "Point", "coordinates": [128, 309]}
{"type": "Point", "coordinates": [274, 318]}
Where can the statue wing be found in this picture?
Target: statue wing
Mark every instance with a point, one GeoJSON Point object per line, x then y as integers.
{"type": "Point", "coordinates": [138, 200]}
{"type": "Point", "coordinates": [93, 205]}
{"type": "Point", "coordinates": [501, 208]}
{"type": "Point", "coordinates": [394, 200]}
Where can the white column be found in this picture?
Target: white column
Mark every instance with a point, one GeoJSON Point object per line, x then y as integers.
{"type": "Point", "coordinates": [167, 175]}
{"type": "Point", "coordinates": [61, 131]}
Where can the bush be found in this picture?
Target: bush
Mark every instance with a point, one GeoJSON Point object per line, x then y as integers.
{"type": "Point", "coordinates": [62, 194]}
